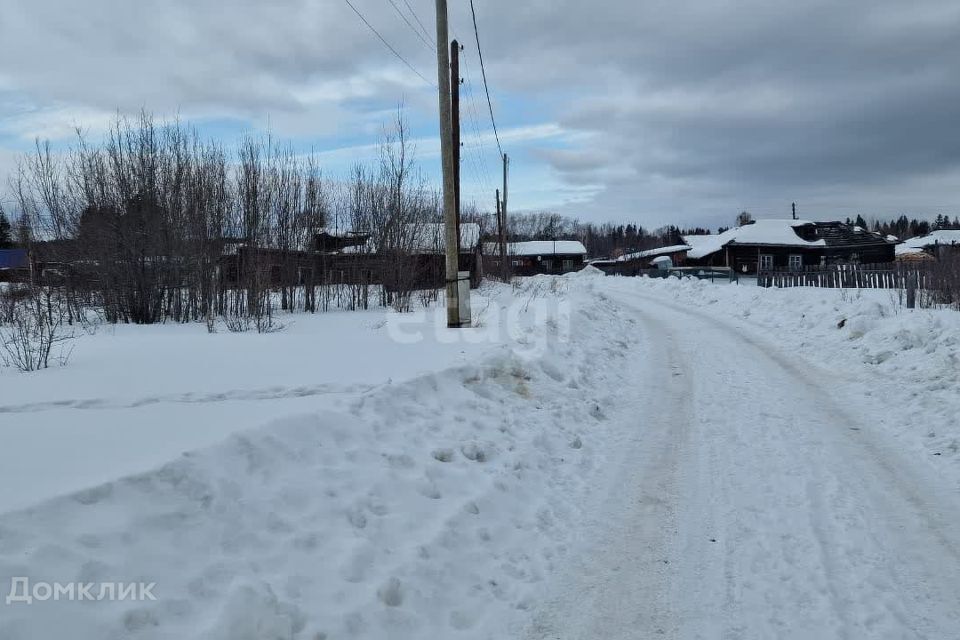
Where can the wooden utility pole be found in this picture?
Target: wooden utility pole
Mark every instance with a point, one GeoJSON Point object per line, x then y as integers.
{"type": "Point", "coordinates": [451, 230]}
{"type": "Point", "coordinates": [503, 212]}
{"type": "Point", "coordinates": [455, 124]}
{"type": "Point", "coordinates": [501, 240]}
{"type": "Point", "coordinates": [794, 206]}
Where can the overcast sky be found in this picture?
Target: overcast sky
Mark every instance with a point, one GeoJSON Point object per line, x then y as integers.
{"type": "Point", "coordinates": [624, 110]}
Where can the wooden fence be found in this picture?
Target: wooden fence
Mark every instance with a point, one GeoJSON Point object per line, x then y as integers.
{"type": "Point", "coordinates": [853, 276]}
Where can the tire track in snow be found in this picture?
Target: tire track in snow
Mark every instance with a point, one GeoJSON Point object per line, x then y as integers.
{"type": "Point", "coordinates": [818, 527]}
{"type": "Point", "coordinates": [268, 393]}
{"type": "Point", "coordinates": [868, 509]}
{"type": "Point", "coordinates": [628, 585]}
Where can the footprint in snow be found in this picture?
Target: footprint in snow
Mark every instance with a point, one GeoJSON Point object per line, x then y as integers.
{"type": "Point", "coordinates": [391, 593]}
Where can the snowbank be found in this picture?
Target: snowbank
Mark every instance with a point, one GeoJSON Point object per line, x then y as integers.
{"type": "Point", "coordinates": [133, 397]}
{"type": "Point", "coordinates": [428, 508]}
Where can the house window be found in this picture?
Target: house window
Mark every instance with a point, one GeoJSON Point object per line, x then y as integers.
{"type": "Point", "coordinates": [766, 262]}
{"type": "Point", "coordinates": [796, 262]}
{"type": "Point", "coordinates": [516, 263]}
{"type": "Point", "coordinates": [568, 265]}
{"type": "Point", "coordinates": [548, 264]}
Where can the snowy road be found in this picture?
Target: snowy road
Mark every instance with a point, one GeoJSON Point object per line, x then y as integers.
{"type": "Point", "coordinates": [761, 502]}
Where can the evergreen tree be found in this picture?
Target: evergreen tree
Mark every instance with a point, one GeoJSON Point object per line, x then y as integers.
{"type": "Point", "coordinates": [6, 235]}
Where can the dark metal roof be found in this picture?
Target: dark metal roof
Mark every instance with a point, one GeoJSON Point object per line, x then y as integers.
{"type": "Point", "coordinates": [13, 259]}
{"type": "Point", "coordinates": [839, 234]}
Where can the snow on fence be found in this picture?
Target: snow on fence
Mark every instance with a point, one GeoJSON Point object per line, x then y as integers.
{"type": "Point", "coordinates": [852, 276]}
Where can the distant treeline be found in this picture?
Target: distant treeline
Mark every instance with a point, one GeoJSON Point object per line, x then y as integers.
{"type": "Point", "coordinates": [609, 240]}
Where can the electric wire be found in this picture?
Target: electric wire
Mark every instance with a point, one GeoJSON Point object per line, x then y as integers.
{"type": "Point", "coordinates": [412, 28]}
{"type": "Point", "coordinates": [388, 45]}
{"type": "Point", "coordinates": [483, 71]}
{"type": "Point", "coordinates": [426, 32]}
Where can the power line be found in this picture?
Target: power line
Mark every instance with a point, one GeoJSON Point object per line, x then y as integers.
{"type": "Point", "coordinates": [426, 32]}
{"type": "Point", "coordinates": [474, 118]}
{"type": "Point", "coordinates": [387, 44]}
{"type": "Point", "coordinates": [483, 71]}
{"type": "Point", "coordinates": [478, 146]}
{"type": "Point", "coordinates": [412, 28]}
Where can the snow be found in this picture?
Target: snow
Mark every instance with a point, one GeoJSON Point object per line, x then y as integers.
{"type": "Point", "coordinates": [770, 495]}
{"type": "Point", "coordinates": [762, 232]}
{"type": "Point", "coordinates": [598, 457]}
{"type": "Point", "coordinates": [939, 237]}
{"type": "Point", "coordinates": [538, 248]}
{"type": "Point", "coordinates": [905, 361]}
{"type": "Point", "coordinates": [704, 245]}
{"type": "Point", "coordinates": [906, 250]}
{"type": "Point", "coordinates": [429, 506]}
{"type": "Point", "coordinates": [650, 253]}
{"type": "Point", "coordinates": [133, 397]}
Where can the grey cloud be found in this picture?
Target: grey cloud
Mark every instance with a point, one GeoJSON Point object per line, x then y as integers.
{"type": "Point", "coordinates": [710, 105]}
{"type": "Point", "coordinates": [685, 110]}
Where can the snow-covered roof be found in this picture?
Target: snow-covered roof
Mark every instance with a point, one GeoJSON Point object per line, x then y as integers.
{"type": "Point", "coordinates": [539, 248]}
{"type": "Point", "coordinates": [652, 253]}
{"type": "Point", "coordinates": [779, 232]}
{"type": "Point", "coordinates": [704, 245]}
{"type": "Point", "coordinates": [941, 236]}
{"type": "Point", "coordinates": [905, 250]}
{"type": "Point", "coordinates": [763, 232]}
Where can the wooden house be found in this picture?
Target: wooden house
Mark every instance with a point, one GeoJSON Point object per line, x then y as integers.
{"type": "Point", "coordinates": [937, 245]}
{"type": "Point", "coordinates": [537, 257]}
{"type": "Point", "coordinates": [789, 244]}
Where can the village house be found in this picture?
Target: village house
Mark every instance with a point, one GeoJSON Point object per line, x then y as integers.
{"type": "Point", "coordinates": [934, 246]}
{"type": "Point", "coordinates": [633, 264]}
{"type": "Point", "coordinates": [537, 256]}
{"type": "Point", "coordinates": [789, 244]}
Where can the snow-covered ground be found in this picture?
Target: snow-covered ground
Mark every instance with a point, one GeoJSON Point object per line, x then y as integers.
{"type": "Point", "coordinates": [902, 366]}
{"type": "Point", "coordinates": [414, 482]}
{"type": "Point", "coordinates": [134, 397]}
{"type": "Point", "coordinates": [776, 495]}
{"type": "Point", "coordinates": [601, 457]}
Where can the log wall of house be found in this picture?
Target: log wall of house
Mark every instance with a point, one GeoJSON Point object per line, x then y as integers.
{"type": "Point", "coordinates": [534, 265]}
